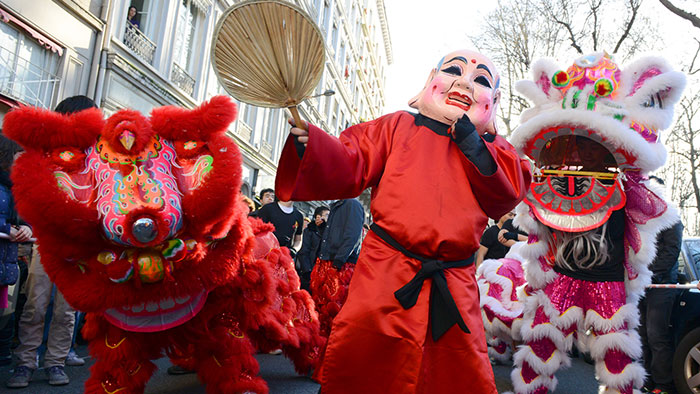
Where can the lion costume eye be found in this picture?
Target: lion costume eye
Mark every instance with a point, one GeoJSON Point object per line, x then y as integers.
{"type": "Point", "coordinates": [69, 159]}
{"type": "Point", "coordinates": [653, 101]}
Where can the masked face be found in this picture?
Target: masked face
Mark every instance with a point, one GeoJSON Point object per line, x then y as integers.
{"type": "Point", "coordinates": [465, 82]}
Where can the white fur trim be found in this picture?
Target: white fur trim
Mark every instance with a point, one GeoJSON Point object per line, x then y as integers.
{"type": "Point", "coordinates": [614, 131]}
{"type": "Point", "coordinates": [520, 387]}
{"type": "Point", "coordinates": [503, 305]}
{"type": "Point", "coordinates": [542, 367]}
{"type": "Point", "coordinates": [633, 373]}
{"type": "Point", "coordinates": [627, 342]}
{"type": "Point", "coordinates": [623, 315]}
{"type": "Point", "coordinates": [671, 85]}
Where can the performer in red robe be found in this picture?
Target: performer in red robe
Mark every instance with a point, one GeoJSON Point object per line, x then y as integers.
{"type": "Point", "coordinates": [435, 177]}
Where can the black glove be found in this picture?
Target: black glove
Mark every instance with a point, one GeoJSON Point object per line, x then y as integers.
{"type": "Point", "coordinates": [511, 236]}
{"type": "Point", "coordinates": [463, 128]}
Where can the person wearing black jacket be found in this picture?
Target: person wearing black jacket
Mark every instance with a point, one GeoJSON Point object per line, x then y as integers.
{"type": "Point", "coordinates": [655, 312]}
{"type": "Point", "coordinates": [340, 247]}
{"type": "Point", "coordinates": [311, 245]}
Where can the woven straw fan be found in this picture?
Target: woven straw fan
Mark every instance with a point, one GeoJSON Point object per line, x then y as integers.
{"type": "Point", "coordinates": [268, 53]}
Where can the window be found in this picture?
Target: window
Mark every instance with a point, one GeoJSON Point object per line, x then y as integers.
{"type": "Point", "coordinates": [27, 69]}
{"type": "Point", "coordinates": [249, 114]}
{"type": "Point", "coordinates": [273, 125]}
{"type": "Point", "coordinates": [334, 117]}
{"type": "Point", "coordinates": [341, 56]}
{"type": "Point", "coordinates": [334, 36]}
{"type": "Point", "coordinates": [135, 37]}
{"type": "Point", "coordinates": [188, 20]}
{"type": "Point", "coordinates": [326, 16]}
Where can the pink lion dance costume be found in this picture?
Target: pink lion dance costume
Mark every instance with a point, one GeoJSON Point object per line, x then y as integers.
{"type": "Point", "coordinates": [591, 215]}
{"type": "Point", "coordinates": [501, 285]}
{"type": "Point", "coordinates": [140, 223]}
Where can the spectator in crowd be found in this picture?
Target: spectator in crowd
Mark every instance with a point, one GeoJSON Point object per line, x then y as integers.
{"type": "Point", "coordinates": [655, 311]}
{"type": "Point", "coordinates": [489, 246]}
{"type": "Point", "coordinates": [311, 245]}
{"type": "Point", "coordinates": [133, 18]}
{"type": "Point", "coordinates": [17, 231]}
{"type": "Point", "coordinates": [340, 247]}
{"type": "Point", "coordinates": [510, 234]}
{"type": "Point", "coordinates": [39, 289]}
{"type": "Point", "coordinates": [287, 220]}
{"type": "Point", "coordinates": [267, 196]}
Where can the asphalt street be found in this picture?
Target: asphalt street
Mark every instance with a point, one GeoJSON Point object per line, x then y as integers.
{"type": "Point", "coordinates": [280, 376]}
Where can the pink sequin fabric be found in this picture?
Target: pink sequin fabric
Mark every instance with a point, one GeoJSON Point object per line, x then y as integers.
{"type": "Point", "coordinates": [605, 298]}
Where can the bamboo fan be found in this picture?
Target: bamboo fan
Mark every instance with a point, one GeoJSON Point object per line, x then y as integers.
{"type": "Point", "coordinates": [268, 53]}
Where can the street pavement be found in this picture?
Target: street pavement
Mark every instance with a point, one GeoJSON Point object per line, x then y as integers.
{"type": "Point", "coordinates": [280, 376]}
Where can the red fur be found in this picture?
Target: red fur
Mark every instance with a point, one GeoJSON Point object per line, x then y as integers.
{"type": "Point", "coordinates": [36, 128]}
{"type": "Point", "coordinates": [202, 123]}
{"type": "Point", "coordinates": [330, 290]}
{"type": "Point", "coordinates": [253, 297]}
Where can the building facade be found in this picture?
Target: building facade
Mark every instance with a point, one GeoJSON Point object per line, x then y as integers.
{"type": "Point", "coordinates": [53, 49]}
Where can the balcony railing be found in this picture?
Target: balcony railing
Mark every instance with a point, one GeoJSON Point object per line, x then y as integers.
{"type": "Point", "coordinates": [182, 79]}
{"type": "Point", "coordinates": [139, 43]}
{"type": "Point", "coordinates": [25, 81]}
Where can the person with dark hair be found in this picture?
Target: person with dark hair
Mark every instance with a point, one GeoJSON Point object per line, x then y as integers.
{"type": "Point", "coordinates": [39, 290]}
{"type": "Point", "coordinates": [16, 231]}
{"type": "Point", "coordinates": [311, 244]}
{"type": "Point", "coordinates": [133, 18]}
{"type": "Point", "coordinates": [267, 196]}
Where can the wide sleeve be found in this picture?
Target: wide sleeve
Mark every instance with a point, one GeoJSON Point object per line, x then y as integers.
{"type": "Point", "coordinates": [335, 168]}
{"type": "Point", "coordinates": [497, 175]}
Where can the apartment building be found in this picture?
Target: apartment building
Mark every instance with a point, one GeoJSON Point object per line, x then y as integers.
{"type": "Point", "coordinates": [52, 49]}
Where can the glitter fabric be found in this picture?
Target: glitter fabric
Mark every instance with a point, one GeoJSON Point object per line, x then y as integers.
{"type": "Point", "coordinates": [616, 361]}
{"type": "Point", "coordinates": [495, 290]}
{"type": "Point", "coordinates": [605, 298]}
{"type": "Point", "coordinates": [652, 72]}
{"type": "Point", "coordinates": [543, 348]}
{"type": "Point", "coordinates": [501, 347]}
{"type": "Point", "coordinates": [528, 373]}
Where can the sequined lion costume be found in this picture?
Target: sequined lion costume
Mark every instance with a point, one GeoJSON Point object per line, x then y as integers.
{"type": "Point", "coordinates": [591, 215]}
{"type": "Point", "coordinates": [140, 224]}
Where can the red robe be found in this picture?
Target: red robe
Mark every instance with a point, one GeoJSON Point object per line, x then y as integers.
{"type": "Point", "coordinates": [434, 201]}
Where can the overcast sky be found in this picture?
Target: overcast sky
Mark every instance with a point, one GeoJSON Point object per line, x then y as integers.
{"type": "Point", "coordinates": [422, 31]}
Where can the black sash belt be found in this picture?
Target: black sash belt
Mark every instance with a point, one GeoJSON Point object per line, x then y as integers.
{"type": "Point", "coordinates": [443, 309]}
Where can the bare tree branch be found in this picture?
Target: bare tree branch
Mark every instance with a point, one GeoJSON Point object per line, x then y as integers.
{"type": "Point", "coordinates": [634, 7]}
{"type": "Point", "coordinates": [594, 10]}
{"type": "Point", "coordinates": [692, 18]}
{"type": "Point", "coordinates": [692, 63]}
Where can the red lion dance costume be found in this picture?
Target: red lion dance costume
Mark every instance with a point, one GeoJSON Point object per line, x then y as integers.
{"type": "Point", "coordinates": [140, 225]}
{"type": "Point", "coordinates": [592, 219]}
